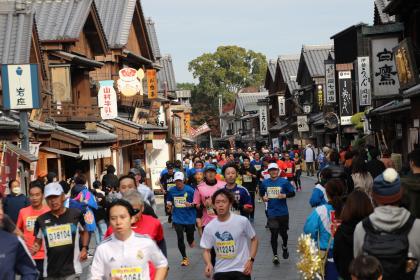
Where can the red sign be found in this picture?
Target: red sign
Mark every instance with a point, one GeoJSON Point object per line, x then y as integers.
{"type": "Point", "coordinates": [200, 130]}
{"type": "Point", "coordinates": [8, 168]}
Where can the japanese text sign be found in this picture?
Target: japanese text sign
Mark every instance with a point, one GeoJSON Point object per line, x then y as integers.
{"type": "Point", "coordinates": [263, 120]}
{"type": "Point", "coordinates": [152, 86]}
{"type": "Point", "coordinates": [20, 87]}
{"type": "Point", "coordinates": [363, 81]}
{"type": "Point", "coordinates": [330, 82]}
{"type": "Point", "coordinates": [107, 100]}
{"type": "Point", "coordinates": [282, 105]}
{"type": "Point", "coordinates": [302, 123]}
{"type": "Point", "coordinates": [345, 93]}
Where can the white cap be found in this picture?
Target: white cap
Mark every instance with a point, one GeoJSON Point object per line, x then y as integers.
{"type": "Point", "coordinates": [53, 188]}
{"type": "Point", "coordinates": [273, 166]}
{"type": "Point", "coordinates": [179, 176]}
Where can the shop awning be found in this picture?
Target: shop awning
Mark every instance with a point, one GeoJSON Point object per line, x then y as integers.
{"type": "Point", "coordinates": [77, 59]}
{"type": "Point", "coordinates": [59, 152]}
{"type": "Point", "coordinates": [250, 116]}
{"type": "Point", "coordinates": [391, 107]}
{"type": "Point", "coordinates": [278, 126]}
{"type": "Point", "coordinates": [23, 155]}
{"type": "Point", "coordinates": [413, 91]}
{"type": "Point", "coordinates": [95, 153]}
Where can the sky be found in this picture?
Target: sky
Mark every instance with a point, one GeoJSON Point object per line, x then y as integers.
{"type": "Point", "coordinates": [188, 28]}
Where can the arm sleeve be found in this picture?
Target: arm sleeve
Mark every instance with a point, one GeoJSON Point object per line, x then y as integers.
{"type": "Point", "coordinates": [249, 230]}
{"type": "Point", "coordinates": [206, 241]}
{"type": "Point", "coordinates": [24, 264]}
{"type": "Point", "coordinates": [162, 246]}
{"type": "Point", "coordinates": [315, 200]}
{"type": "Point", "coordinates": [246, 198]}
{"type": "Point", "coordinates": [290, 190]}
{"type": "Point", "coordinates": [37, 230]}
{"type": "Point", "coordinates": [262, 189]}
{"type": "Point", "coordinates": [359, 237]}
{"type": "Point", "coordinates": [197, 197]}
{"type": "Point", "coordinates": [157, 257]}
{"type": "Point", "coordinates": [97, 268]}
{"type": "Point", "coordinates": [312, 225]}
{"type": "Point", "coordinates": [170, 197]}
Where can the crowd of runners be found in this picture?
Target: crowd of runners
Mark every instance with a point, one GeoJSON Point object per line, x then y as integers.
{"type": "Point", "coordinates": [364, 218]}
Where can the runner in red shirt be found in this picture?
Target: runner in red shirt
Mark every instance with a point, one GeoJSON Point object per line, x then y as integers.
{"type": "Point", "coordinates": [289, 168]}
{"type": "Point", "coordinates": [26, 221]}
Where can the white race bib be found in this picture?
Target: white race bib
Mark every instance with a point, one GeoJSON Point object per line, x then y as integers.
{"type": "Point", "coordinates": [179, 201]}
{"type": "Point", "coordinates": [247, 179]}
{"type": "Point", "coordinates": [59, 235]}
{"type": "Point", "coordinates": [297, 167]}
{"type": "Point", "coordinates": [127, 273]}
{"type": "Point", "coordinates": [289, 170]}
{"type": "Point", "coordinates": [273, 192]}
{"type": "Point", "coordinates": [257, 167]}
{"type": "Point", "coordinates": [30, 223]}
{"type": "Point", "coordinates": [225, 249]}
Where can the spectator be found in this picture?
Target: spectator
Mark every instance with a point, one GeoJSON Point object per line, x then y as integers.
{"type": "Point", "coordinates": [391, 229]}
{"type": "Point", "coordinates": [411, 185]}
{"type": "Point", "coordinates": [15, 200]}
{"type": "Point", "coordinates": [309, 157]}
{"type": "Point", "coordinates": [358, 206]}
{"type": "Point", "coordinates": [319, 195]}
{"type": "Point", "coordinates": [375, 166]}
{"type": "Point", "coordinates": [51, 177]}
{"type": "Point", "coordinates": [100, 212]}
{"type": "Point", "coordinates": [366, 268]}
{"type": "Point", "coordinates": [110, 180]}
{"type": "Point", "coordinates": [386, 159]}
{"type": "Point", "coordinates": [360, 176]}
{"type": "Point", "coordinates": [145, 191]}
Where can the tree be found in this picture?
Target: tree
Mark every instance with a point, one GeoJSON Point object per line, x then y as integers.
{"type": "Point", "coordinates": [225, 72]}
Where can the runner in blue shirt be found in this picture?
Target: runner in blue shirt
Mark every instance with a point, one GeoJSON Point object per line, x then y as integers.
{"type": "Point", "coordinates": [275, 191]}
{"type": "Point", "coordinates": [243, 203]}
{"type": "Point", "coordinates": [257, 162]}
{"type": "Point", "coordinates": [180, 201]}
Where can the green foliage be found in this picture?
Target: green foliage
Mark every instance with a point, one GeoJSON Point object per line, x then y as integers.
{"type": "Point", "coordinates": [225, 72]}
{"type": "Point", "coordinates": [357, 120]}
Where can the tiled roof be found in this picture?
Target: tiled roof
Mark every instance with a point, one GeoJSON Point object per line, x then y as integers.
{"type": "Point", "coordinates": [8, 123]}
{"type": "Point", "coordinates": [140, 126]}
{"type": "Point", "coordinates": [151, 30]}
{"type": "Point", "coordinates": [16, 25]}
{"type": "Point", "coordinates": [166, 75]}
{"type": "Point", "coordinates": [314, 56]}
{"type": "Point", "coordinates": [98, 136]}
{"type": "Point", "coordinates": [116, 18]}
{"type": "Point", "coordinates": [246, 102]}
{"type": "Point", "coordinates": [289, 65]}
{"type": "Point", "coordinates": [384, 17]}
{"type": "Point", "coordinates": [61, 19]}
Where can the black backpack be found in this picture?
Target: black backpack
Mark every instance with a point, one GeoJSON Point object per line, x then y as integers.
{"type": "Point", "coordinates": [390, 248]}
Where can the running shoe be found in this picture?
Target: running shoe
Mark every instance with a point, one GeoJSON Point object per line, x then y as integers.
{"type": "Point", "coordinates": [276, 260]}
{"type": "Point", "coordinates": [185, 262]}
{"type": "Point", "coordinates": [285, 253]}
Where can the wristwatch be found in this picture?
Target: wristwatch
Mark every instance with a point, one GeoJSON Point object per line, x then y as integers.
{"type": "Point", "coordinates": [251, 259]}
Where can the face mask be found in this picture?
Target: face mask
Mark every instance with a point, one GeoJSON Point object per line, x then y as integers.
{"type": "Point", "coordinates": [16, 190]}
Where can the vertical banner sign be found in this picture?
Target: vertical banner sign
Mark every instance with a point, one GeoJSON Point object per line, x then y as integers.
{"type": "Point", "coordinates": [8, 167]}
{"type": "Point", "coordinates": [302, 123]}
{"type": "Point", "coordinates": [282, 105]}
{"type": "Point", "coordinates": [363, 81]}
{"type": "Point", "coordinates": [330, 82]}
{"type": "Point", "coordinates": [263, 120]}
{"type": "Point", "coordinates": [107, 100]}
{"type": "Point", "coordinates": [34, 150]}
{"type": "Point", "coordinates": [187, 123]}
{"type": "Point", "coordinates": [20, 87]}
{"type": "Point", "coordinates": [345, 93]}
{"type": "Point", "coordinates": [152, 86]}
{"type": "Point", "coordinates": [320, 96]}
{"type": "Point", "coordinates": [384, 71]}
{"type": "Point", "coordinates": [405, 61]}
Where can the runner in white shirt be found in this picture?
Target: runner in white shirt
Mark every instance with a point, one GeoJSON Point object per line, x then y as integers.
{"type": "Point", "coordinates": [229, 235]}
{"type": "Point", "coordinates": [125, 254]}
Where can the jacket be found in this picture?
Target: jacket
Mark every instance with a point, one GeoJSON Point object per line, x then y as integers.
{"type": "Point", "coordinates": [15, 259]}
{"type": "Point", "coordinates": [318, 197]}
{"type": "Point", "coordinates": [343, 244]}
{"type": "Point", "coordinates": [363, 182]}
{"type": "Point", "coordinates": [375, 167]}
{"type": "Point", "coordinates": [13, 204]}
{"type": "Point", "coordinates": [411, 197]}
{"type": "Point", "coordinates": [318, 225]}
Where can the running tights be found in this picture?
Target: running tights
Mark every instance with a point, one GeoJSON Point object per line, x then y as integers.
{"type": "Point", "coordinates": [275, 232]}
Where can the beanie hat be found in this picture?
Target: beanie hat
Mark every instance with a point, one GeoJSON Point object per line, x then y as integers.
{"type": "Point", "coordinates": [387, 187]}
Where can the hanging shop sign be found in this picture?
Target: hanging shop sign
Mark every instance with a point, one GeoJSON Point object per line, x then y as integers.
{"type": "Point", "coordinates": [152, 85]}
{"type": "Point", "coordinates": [405, 62]}
{"type": "Point", "coordinates": [20, 86]}
{"type": "Point", "coordinates": [107, 100]}
{"type": "Point", "coordinates": [345, 93]}
{"type": "Point", "coordinates": [331, 120]}
{"type": "Point", "coordinates": [282, 105]}
{"type": "Point", "coordinates": [187, 123]}
{"type": "Point", "coordinates": [384, 71]}
{"type": "Point", "coordinates": [263, 120]}
{"type": "Point", "coordinates": [302, 123]}
{"type": "Point", "coordinates": [129, 84]}
{"type": "Point", "coordinates": [363, 81]}
{"type": "Point", "coordinates": [320, 96]}
{"type": "Point", "coordinates": [330, 82]}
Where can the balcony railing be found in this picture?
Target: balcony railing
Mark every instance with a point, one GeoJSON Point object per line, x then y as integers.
{"type": "Point", "coordinates": [73, 113]}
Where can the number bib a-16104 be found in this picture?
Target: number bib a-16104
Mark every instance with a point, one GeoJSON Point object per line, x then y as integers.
{"type": "Point", "coordinates": [273, 192]}
{"type": "Point", "coordinates": [225, 249]}
{"type": "Point", "coordinates": [59, 235]}
{"type": "Point", "coordinates": [127, 273]}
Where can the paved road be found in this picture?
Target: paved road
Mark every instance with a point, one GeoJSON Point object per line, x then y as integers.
{"type": "Point", "coordinates": [263, 269]}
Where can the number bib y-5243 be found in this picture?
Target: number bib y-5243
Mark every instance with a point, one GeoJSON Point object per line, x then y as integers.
{"type": "Point", "coordinates": [59, 235]}
{"type": "Point", "coordinates": [273, 192]}
{"type": "Point", "coordinates": [226, 249]}
{"type": "Point", "coordinates": [179, 201]}
{"type": "Point", "coordinates": [127, 273]}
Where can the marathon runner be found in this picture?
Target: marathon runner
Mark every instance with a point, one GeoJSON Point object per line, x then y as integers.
{"type": "Point", "coordinates": [243, 203]}
{"type": "Point", "coordinates": [229, 234]}
{"type": "Point", "coordinates": [250, 182]}
{"type": "Point", "coordinates": [180, 202]}
{"type": "Point", "coordinates": [126, 254]}
{"type": "Point", "coordinates": [60, 230]}
{"type": "Point", "coordinates": [26, 221]}
{"type": "Point", "coordinates": [166, 183]}
{"type": "Point", "coordinates": [275, 191]}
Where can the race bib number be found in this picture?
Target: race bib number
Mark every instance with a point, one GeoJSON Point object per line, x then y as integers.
{"type": "Point", "coordinates": [59, 235]}
{"type": "Point", "coordinates": [30, 223]}
{"type": "Point", "coordinates": [247, 178]}
{"type": "Point", "coordinates": [170, 185]}
{"type": "Point", "coordinates": [297, 167]}
{"type": "Point", "coordinates": [273, 192]}
{"type": "Point", "coordinates": [257, 167]}
{"type": "Point", "coordinates": [127, 273]}
{"type": "Point", "coordinates": [179, 201]}
{"type": "Point", "coordinates": [226, 249]}
{"type": "Point", "coordinates": [289, 170]}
